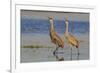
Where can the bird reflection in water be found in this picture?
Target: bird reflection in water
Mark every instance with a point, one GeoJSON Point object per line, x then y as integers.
{"type": "Point", "coordinates": [59, 58]}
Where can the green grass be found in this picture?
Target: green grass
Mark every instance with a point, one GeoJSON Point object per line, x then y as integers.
{"type": "Point", "coordinates": [35, 46]}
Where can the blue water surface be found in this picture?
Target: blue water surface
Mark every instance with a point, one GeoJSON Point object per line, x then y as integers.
{"type": "Point", "coordinates": [41, 26]}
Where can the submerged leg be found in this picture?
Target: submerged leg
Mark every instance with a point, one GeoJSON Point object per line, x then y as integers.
{"type": "Point", "coordinates": [58, 57]}
{"type": "Point", "coordinates": [78, 53]}
{"type": "Point", "coordinates": [71, 54]}
{"type": "Point", "coordinates": [55, 50]}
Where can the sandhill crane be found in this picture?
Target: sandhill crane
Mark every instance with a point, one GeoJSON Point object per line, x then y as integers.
{"type": "Point", "coordinates": [54, 37]}
{"type": "Point", "coordinates": [72, 41]}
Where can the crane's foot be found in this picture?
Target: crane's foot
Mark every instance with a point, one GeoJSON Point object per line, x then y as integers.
{"type": "Point", "coordinates": [61, 59]}
{"type": "Point", "coordinates": [54, 53]}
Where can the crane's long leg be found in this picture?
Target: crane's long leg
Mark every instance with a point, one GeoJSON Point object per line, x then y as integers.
{"type": "Point", "coordinates": [55, 50]}
{"type": "Point", "coordinates": [71, 54]}
{"type": "Point", "coordinates": [56, 55]}
{"type": "Point", "coordinates": [78, 53]}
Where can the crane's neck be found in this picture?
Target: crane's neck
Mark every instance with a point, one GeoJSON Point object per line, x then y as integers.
{"type": "Point", "coordinates": [51, 25]}
{"type": "Point", "coordinates": [66, 31]}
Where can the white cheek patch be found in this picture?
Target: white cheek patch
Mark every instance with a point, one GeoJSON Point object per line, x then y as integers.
{"type": "Point", "coordinates": [50, 20]}
{"type": "Point", "coordinates": [66, 22]}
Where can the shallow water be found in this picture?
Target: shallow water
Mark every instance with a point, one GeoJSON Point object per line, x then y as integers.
{"type": "Point", "coordinates": [46, 54]}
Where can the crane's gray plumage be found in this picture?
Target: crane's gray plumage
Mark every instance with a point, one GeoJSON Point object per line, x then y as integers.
{"type": "Point", "coordinates": [54, 37]}
{"type": "Point", "coordinates": [72, 40]}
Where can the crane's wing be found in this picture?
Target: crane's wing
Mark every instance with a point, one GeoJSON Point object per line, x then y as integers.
{"type": "Point", "coordinates": [56, 36]}
{"type": "Point", "coordinates": [56, 39]}
{"type": "Point", "coordinates": [72, 40]}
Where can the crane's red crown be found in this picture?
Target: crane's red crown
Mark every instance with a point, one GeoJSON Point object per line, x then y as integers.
{"type": "Point", "coordinates": [50, 17]}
